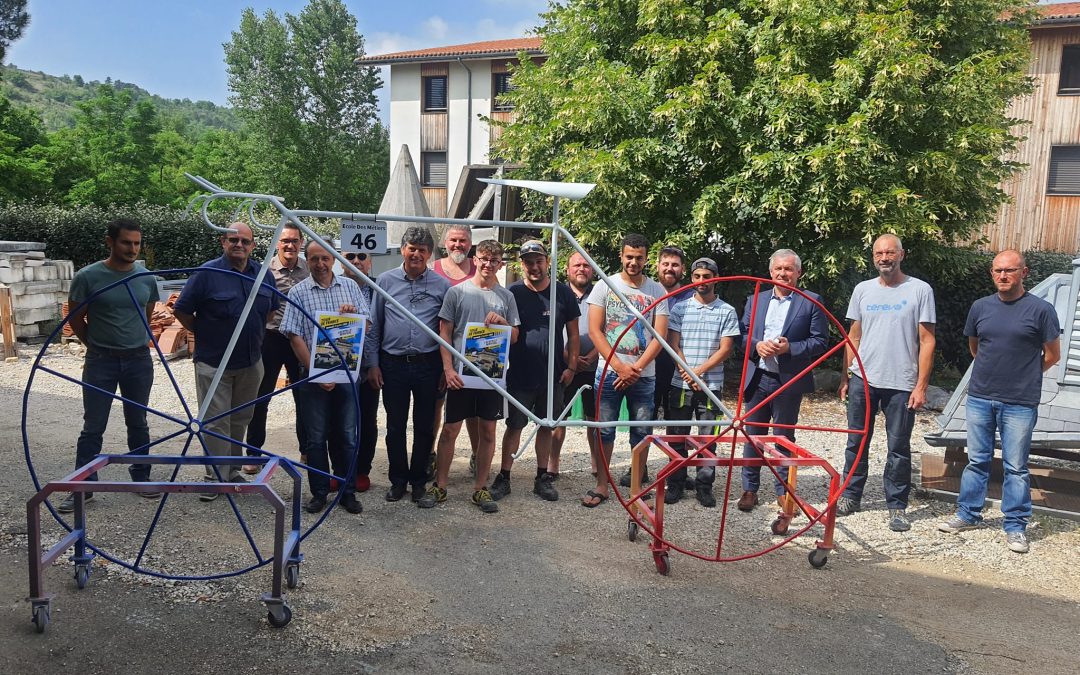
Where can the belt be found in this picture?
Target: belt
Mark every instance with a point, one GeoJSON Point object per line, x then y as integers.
{"type": "Point", "coordinates": [409, 358]}
{"type": "Point", "coordinates": [769, 373]}
{"type": "Point", "coordinates": [120, 353]}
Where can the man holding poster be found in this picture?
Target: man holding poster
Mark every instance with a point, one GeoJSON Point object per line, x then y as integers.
{"type": "Point", "coordinates": [480, 300]}
{"type": "Point", "coordinates": [326, 404]}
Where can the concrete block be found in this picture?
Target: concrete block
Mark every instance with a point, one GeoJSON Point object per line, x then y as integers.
{"type": "Point", "coordinates": [1050, 425]}
{"type": "Point", "coordinates": [34, 262]}
{"type": "Point", "coordinates": [44, 273]}
{"type": "Point", "coordinates": [28, 273]}
{"type": "Point", "coordinates": [31, 331]}
{"type": "Point", "coordinates": [35, 301]}
{"type": "Point", "coordinates": [21, 246]}
{"type": "Point", "coordinates": [65, 285]}
{"type": "Point", "coordinates": [35, 255]}
{"type": "Point", "coordinates": [64, 268]}
{"type": "Point", "coordinates": [33, 315]}
{"type": "Point", "coordinates": [9, 275]}
{"type": "Point", "coordinates": [1065, 414]}
{"type": "Point", "coordinates": [1067, 398]}
{"type": "Point", "coordinates": [32, 287]}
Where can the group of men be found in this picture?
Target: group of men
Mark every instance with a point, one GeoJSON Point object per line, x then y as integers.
{"type": "Point", "coordinates": [1012, 335]}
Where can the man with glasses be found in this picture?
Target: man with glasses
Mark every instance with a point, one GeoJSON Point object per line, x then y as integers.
{"type": "Point", "coordinates": [368, 394]}
{"type": "Point", "coordinates": [1015, 337]}
{"type": "Point", "coordinates": [631, 374]}
{"type": "Point", "coordinates": [114, 333]}
{"type": "Point", "coordinates": [288, 269]}
{"type": "Point", "coordinates": [329, 409]}
{"type": "Point", "coordinates": [892, 328]}
{"type": "Point", "coordinates": [404, 361]}
{"type": "Point", "coordinates": [210, 307]}
{"type": "Point", "coordinates": [481, 299]}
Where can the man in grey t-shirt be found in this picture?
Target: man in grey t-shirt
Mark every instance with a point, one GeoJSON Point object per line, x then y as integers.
{"type": "Point", "coordinates": [892, 327]}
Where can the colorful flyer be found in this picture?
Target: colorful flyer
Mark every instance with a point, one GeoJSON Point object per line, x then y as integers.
{"type": "Point", "coordinates": [487, 348]}
{"type": "Point", "coordinates": [346, 331]}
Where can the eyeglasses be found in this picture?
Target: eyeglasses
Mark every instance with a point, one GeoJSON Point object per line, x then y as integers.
{"type": "Point", "coordinates": [1006, 270]}
{"type": "Point", "coordinates": [239, 240]}
{"type": "Point", "coordinates": [489, 261]}
{"type": "Point", "coordinates": [356, 256]}
{"type": "Point", "coordinates": [289, 241]}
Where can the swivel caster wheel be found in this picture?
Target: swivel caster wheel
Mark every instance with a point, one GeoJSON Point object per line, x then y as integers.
{"type": "Point", "coordinates": [780, 525]}
{"type": "Point", "coordinates": [82, 575]}
{"type": "Point", "coordinates": [631, 530]}
{"type": "Point", "coordinates": [292, 575]}
{"type": "Point", "coordinates": [279, 617]}
{"type": "Point", "coordinates": [663, 564]}
{"type": "Point", "coordinates": [41, 618]}
{"type": "Point", "coordinates": [818, 557]}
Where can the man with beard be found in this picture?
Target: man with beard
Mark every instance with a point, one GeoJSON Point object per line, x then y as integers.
{"type": "Point", "coordinates": [579, 275]}
{"type": "Point", "coordinates": [892, 328]}
{"type": "Point", "coordinates": [533, 297]}
{"type": "Point", "coordinates": [116, 355]}
{"type": "Point", "coordinates": [288, 269]}
{"type": "Point", "coordinates": [631, 374]}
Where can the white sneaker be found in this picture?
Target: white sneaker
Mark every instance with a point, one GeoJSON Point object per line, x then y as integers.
{"type": "Point", "coordinates": [1018, 542]}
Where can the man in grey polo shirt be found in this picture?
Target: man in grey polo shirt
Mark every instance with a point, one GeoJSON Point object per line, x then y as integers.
{"type": "Point", "coordinates": [405, 362]}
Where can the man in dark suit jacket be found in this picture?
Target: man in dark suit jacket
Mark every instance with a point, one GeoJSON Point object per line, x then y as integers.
{"type": "Point", "coordinates": [788, 334]}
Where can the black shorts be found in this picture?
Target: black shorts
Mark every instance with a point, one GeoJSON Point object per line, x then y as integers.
{"type": "Point", "coordinates": [588, 397]}
{"type": "Point", "coordinates": [461, 404]}
{"type": "Point", "coordinates": [536, 401]}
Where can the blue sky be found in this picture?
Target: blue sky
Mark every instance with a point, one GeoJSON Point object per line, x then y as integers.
{"type": "Point", "coordinates": [173, 48]}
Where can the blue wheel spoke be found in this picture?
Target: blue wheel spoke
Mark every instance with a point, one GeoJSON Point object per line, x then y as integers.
{"type": "Point", "coordinates": [157, 348]}
{"type": "Point", "coordinates": [160, 508]}
{"type": "Point", "coordinates": [268, 396]}
{"type": "Point", "coordinates": [112, 395]}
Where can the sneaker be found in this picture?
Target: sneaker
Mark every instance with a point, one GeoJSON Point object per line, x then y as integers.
{"type": "Point", "coordinates": [209, 496]}
{"type": "Point", "coordinates": [674, 491]}
{"type": "Point", "coordinates": [68, 505]}
{"type": "Point", "coordinates": [845, 506]}
{"type": "Point", "coordinates": [543, 487]}
{"type": "Point", "coordinates": [482, 498]}
{"type": "Point", "coordinates": [1017, 541]}
{"type": "Point", "coordinates": [432, 496]}
{"type": "Point", "coordinates": [500, 488]}
{"type": "Point", "coordinates": [955, 524]}
{"type": "Point", "coordinates": [898, 521]}
{"type": "Point", "coordinates": [705, 496]}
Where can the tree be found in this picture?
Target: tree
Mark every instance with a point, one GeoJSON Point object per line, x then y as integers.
{"type": "Point", "coordinates": [24, 173]}
{"type": "Point", "coordinates": [734, 127]}
{"type": "Point", "coordinates": [310, 108]}
{"type": "Point", "coordinates": [13, 21]}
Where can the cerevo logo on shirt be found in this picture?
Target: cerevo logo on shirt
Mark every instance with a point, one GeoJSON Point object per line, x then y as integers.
{"type": "Point", "coordinates": [886, 308]}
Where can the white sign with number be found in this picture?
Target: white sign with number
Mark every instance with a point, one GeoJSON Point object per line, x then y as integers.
{"type": "Point", "coordinates": [363, 236]}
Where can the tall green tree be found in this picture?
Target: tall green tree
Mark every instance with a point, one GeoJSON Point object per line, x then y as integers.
{"type": "Point", "coordinates": [310, 108]}
{"type": "Point", "coordinates": [24, 172]}
{"type": "Point", "coordinates": [737, 126]}
{"type": "Point", "coordinates": [13, 21]}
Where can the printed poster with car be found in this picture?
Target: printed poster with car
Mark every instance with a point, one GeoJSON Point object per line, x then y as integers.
{"type": "Point", "coordinates": [346, 331]}
{"type": "Point", "coordinates": [487, 348]}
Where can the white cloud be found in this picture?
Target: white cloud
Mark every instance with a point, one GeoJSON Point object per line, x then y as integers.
{"type": "Point", "coordinates": [435, 27]}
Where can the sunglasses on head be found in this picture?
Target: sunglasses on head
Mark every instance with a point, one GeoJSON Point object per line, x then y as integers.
{"type": "Point", "coordinates": [356, 256]}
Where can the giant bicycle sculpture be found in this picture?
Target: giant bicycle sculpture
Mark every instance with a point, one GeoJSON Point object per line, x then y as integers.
{"type": "Point", "coordinates": [720, 449]}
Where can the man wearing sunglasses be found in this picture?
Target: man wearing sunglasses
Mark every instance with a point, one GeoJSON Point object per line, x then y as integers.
{"type": "Point", "coordinates": [210, 306]}
{"type": "Point", "coordinates": [288, 269]}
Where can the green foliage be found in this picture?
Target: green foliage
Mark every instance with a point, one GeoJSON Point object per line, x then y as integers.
{"type": "Point", "coordinates": [310, 109]}
{"type": "Point", "coordinates": [13, 21]}
{"type": "Point", "coordinates": [55, 98]}
{"type": "Point", "coordinates": [736, 127]}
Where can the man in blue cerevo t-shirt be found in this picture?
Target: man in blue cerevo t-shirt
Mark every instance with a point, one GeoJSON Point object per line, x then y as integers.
{"type": "Point", "coordinates": [1015, 338]}
{"type": "Point", "coordinates": [116, 340]}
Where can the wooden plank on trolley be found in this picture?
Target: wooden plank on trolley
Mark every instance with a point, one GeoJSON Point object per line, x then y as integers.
{"type": "Point", "coordinates": [7, 323]}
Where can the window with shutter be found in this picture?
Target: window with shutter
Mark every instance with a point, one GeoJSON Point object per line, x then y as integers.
{"type": "Point", "coordinates": [1069, 82]}
{"type": "Point", "coordinates": [500, 84]}
{"type": "Point", "coordinates": [435, 93]}
{"type": "Point", "coordinates": [1064, 176]}
{"type": "Point", "coordinates": [433, 169]}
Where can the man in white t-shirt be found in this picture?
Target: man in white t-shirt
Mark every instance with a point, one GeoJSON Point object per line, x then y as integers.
{"type": "Point", "coordinates": [631, 374]}
{"type": "Point", "coordinates": [892, 327]}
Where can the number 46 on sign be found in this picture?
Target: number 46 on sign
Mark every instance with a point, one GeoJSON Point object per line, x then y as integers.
{"type": "Point", "coordinates": [363, 236]}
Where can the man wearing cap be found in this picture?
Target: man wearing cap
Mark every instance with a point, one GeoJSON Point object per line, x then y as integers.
{"type": "Point", "coordinates": [288, 269]}
{"type": "Point", "coordinates": [702, 330]}
{"type": "Point", "coordinates": [579, 275]}
{"type": "Point", "coordinates": [404, 360]}
{"type": "Point", "coordinates": [529, 356]}
{"type": "Point", "coordinates": [787, 334]}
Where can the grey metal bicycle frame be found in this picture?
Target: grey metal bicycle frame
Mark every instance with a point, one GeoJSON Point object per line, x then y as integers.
{"type": "Point", "coordinates": [251, 200]}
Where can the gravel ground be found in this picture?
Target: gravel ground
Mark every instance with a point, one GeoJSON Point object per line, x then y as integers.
{"type": "Point", "coordinates": [542, 587]}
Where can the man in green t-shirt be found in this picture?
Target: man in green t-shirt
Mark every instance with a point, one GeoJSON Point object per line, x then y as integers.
{"type": "Point", "coordinates": [115, 333]}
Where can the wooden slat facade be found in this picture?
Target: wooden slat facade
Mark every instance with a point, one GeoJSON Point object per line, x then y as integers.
{"type": "Point", "coordinates": [433, 132]}
{"type": "Point", "coordinates": [1035, 220]}
{"type": "Point", "coordinates": [436, 200]}
{"type": "Point", "coordinates": [495, 131]}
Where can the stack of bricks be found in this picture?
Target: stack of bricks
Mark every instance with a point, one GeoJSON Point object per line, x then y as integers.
{"type": "Point", "coordinates": [38, 287]}
{"type": "Point", "coordinates": [170, 335]}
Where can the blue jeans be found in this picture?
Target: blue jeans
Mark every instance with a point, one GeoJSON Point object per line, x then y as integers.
{"type": "Point", "coordinates": [639, 404]}
{"type": "Point", "coordinates": [1015, 423]}
{"type": "Point", "coordinates": [133, 372]}
{"type": "Point", "coordinates": [322, 410]}
{"type": "Point", "coordinates": [899, 421]}
{"type": "Point", "coordinates": [784, 409]}
{"type": "Point", "coordinates": [418, 380]}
